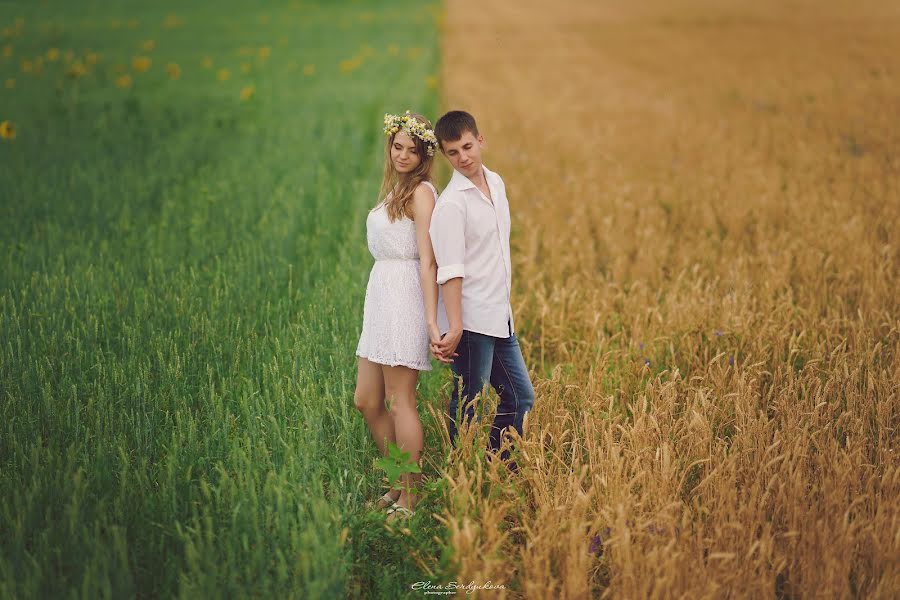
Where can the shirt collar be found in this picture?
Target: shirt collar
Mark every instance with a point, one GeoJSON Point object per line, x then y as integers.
{"type": "Point", "coordinates": [460, 182]}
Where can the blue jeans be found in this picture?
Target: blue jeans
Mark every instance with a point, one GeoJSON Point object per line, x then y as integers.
{"type": "Point", "coordinates": [487, 359]}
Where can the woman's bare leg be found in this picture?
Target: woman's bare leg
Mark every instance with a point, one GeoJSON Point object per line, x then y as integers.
{"type": "Point", "coordinates": [369, 400]}
{"type": "Point", "coordinates": [400, 396]}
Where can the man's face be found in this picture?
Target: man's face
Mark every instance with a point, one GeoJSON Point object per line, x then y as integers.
{"type": "Point", "coordinates": [465, 153]}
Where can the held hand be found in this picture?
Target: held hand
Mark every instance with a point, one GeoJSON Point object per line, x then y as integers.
{"type": "Point", "coordinates": [435, 335]}
{"type": "Point", "coordinates": [446, 346]}
{"type": "Point", "coordinates": [440, 357]}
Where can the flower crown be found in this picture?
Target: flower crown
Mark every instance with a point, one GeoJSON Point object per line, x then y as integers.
{"type": "Point", "coordinates": [411, 126]}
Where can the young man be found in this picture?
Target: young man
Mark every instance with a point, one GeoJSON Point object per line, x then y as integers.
{"type": "Point", "coordinates": [470, 236]}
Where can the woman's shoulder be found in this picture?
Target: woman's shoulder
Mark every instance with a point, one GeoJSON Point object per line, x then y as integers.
{"type": "Point", "coordinates": [424, 197]}
{"type": "Point", "coordinates": [426, 185]}
{"type": "Point", "coordinates": [425, 193]}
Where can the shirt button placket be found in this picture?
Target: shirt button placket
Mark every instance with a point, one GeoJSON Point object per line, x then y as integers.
{"type": "Point", "coordinates": [502, 257]}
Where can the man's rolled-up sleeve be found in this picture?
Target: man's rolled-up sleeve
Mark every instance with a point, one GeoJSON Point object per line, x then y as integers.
{"type": "Point", "coordinates": [448, 240]}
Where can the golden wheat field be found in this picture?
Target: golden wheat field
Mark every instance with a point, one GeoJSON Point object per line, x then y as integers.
{"type": "Point", "coordinates": [706, 213]}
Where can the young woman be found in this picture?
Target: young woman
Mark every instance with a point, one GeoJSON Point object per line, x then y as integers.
{"type": "Point", "coordinates": [400, 313]}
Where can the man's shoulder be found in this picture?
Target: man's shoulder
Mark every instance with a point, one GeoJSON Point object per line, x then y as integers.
{"type": "Point", "coordinates": [451, 195]}
{"type": "Point", "coordinates": [448, 200]}
{"type": "Point", "coordinates": [494, 177]}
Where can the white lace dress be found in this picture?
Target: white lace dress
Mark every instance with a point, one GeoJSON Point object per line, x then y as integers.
{"type": "Point", "coordinates": [394, 331]}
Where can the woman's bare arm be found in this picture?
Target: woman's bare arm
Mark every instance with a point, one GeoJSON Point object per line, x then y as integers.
{"type": "Point", "coordinates": [422, 206]}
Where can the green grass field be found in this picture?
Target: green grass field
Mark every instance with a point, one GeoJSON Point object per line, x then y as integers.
{"type": "Point", "coordinates": [183, 268]}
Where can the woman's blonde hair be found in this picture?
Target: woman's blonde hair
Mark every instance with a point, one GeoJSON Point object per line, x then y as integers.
{"type": "Point", "coordinates": [401, 189]}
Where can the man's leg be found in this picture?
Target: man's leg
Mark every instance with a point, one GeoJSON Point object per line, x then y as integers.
{"type": "Point", "coordinates": [473, 366]}
{"type": "Point", "coordinates": [509, 377]}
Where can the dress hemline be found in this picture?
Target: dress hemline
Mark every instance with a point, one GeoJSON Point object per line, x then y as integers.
{"type": "Point", "coordinates": [389, 363]}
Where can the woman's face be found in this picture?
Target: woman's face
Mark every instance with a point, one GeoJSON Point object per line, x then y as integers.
{"type": "Point", "coordinates": [404, 156]}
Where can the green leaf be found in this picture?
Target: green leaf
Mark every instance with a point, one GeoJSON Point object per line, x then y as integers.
{"type": "Point", "coordinates": [396, 463]}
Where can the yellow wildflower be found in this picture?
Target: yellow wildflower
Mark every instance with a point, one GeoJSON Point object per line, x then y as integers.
{"type": "Point", "coordinates": [77, 70]}
{"type": "Point", "coordinates": [309, 70]}
{"type": "Point", "coordinates": [7, 130]}
{"type": "Point", "coordinates": [148, 45]}
{"type": "Point", "coordinates": [223, 75]}
{"type": "Point", "coordinates": [140, 63]}
{"type": "Point", "coordinates": [264, 52]}
{"type": "Point", "coordinates": [53, 54]}
{"type": "Point", "coordinates": [207, 62]}
{"type": "Point", "coordinates": [92, 58]}
{"type": "Point", "coordinates": [173, 70]}
{"type": "Point", "coordinates": [133, 24]}
{"type": "Point", "coordinates": [351, 64]}
{"type": "Point", "coordinates": [247, 92]}
{"type": "Point", "coordinates": [123, 81]}
{"type": "Point", "coordinates": [10, 83]}
{"type": "Point", "coordinates": [27, 66]}
{"type": "Point", "coordinates": [7, 51]}
{"type": "Point", "coordinates": [173, 21]}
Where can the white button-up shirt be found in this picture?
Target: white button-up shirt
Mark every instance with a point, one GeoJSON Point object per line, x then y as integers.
{"type": "Point", "coordinates": [470, 238]}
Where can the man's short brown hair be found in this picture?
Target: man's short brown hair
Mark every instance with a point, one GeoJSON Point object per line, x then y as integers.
{"type": "Point", "coordinates": [453, 125]}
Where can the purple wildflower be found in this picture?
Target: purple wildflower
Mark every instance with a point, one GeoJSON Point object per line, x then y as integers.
{"type": "Point", "coordinates": [597, 542]}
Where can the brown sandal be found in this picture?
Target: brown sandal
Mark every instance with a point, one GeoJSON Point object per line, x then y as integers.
{"type": "Point", "coordinates": [380, 504]}
{"type": "Point", "coordinates": [398, 512]}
